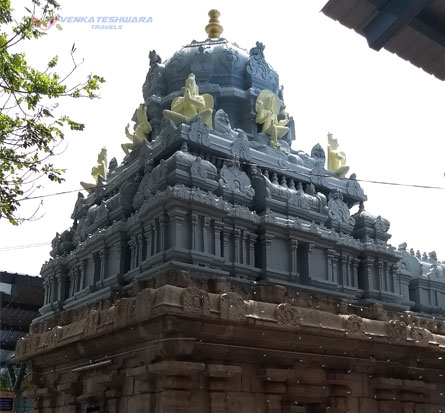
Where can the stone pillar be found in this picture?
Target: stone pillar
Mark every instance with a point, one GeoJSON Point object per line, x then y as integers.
{"type": "Point", "coordinates": [206, 247]}
{"type": "Point", "coordinates": [226, 242]}
{"type": "Point", "coordinates": [335, 269]}
{"type": "Point", "coordinates": [96, 274]}
{"type": "Point", "coordinates": [194, 223]}
{"type": "Point", "coordinates": [368, 274]}
{"type": "Point", "coordinates": [61, 285]}
{"type": "Point", "coordinates": [149, 240]}
{"type": "Point", "coordinates": [46, 289]}
{"type": "Point", "coordinates": [252, 240]}
{"type": "Point", "coordinates": [120, 247]}
{"type": "Point", "coordinates": [331, 259]}
{"type": "Point", "coordinates": [76, 280]}
{"type": "Point", "coordinates": [176, 218]}
{"type": "Point", "coordinates": [217, 228]}
{"type": "Point", "coordinates": [293, 247]}
{"type": "Point", "coordinates": [392, 278]}
{"type": "Point", "coordinates": [355, 263]}
{"type": "Point", "coordinates": [244, 247]}
{"type": "Point", "coordinates": [103, 254]}
{"type": "Point", "coordinates": [266, 244]}
{"type": "Point", "coordinates": [92, 259]}
{"type": "Point", "coordinates": [72, 279]}
{"type": "Point", "coordinates": [52, 289]}
{"type": "Point", "coordinates": [344, 261]}
{"type": "Point", "coordinates": [310, 250]}
{"type": "Point", "coordinates": [163, 240]}
{"type": "Point", "coordinates": [156, 239]}
{"type": "Point", "coordinates": [82, 275]}
{"type": "Point", "coordinates": [236, 235]}
{"type": "Point", "coordinates": [140, 255]}
{"type": "Point", "coordinates": [380, 274]}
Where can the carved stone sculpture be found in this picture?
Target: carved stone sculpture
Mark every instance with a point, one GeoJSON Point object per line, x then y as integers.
{"type": "Point", "coordinates": [259, 73]}
{"type": "Point", "coordinates": [267, 107]}
{"type": "Point", "coordinates": [142, 128]}
{"type": "Point", "coordinates": [192, 104]}
{"type": "Point", "coordinates": [100, 170]}
{"type": "Point", "coordinates": [336, 158]}
{"type": "Point", "coordinates": [338, 210]}
{"type": "Point", "coordinates": [222, 122]}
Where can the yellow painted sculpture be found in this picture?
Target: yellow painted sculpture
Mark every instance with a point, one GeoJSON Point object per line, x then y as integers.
{"type": "Point", "coordinates": [336, 158]}
{"type": "Point", "coordinates": [190, 105]}
{"type": "Point", "coordinates": [100, 170]}
{"type": "Point", "coordinates": [267, 107]}
{"type": "Point", "coordinates": [141, 130]}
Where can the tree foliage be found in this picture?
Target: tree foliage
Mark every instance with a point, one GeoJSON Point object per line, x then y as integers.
{"type": "Point", "coordinates": [31, 124]}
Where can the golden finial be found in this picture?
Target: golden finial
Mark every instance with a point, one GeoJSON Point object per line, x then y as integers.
{"type": "Point", "coordinates": [214, 29]}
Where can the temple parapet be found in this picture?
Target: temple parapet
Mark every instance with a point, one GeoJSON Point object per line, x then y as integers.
{"type": "Point", "coordinates": [427, 279]}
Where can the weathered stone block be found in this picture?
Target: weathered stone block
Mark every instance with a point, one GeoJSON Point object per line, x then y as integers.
{"type": "Point", "coordinates": [141, 403]}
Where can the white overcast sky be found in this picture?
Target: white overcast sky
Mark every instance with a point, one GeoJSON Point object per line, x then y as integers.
{"type": "Point", "coordinates": [387, 114]}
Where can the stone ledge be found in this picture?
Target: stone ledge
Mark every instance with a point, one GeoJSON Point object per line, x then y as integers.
{"type": "Point", "coordinates": [196, 303]}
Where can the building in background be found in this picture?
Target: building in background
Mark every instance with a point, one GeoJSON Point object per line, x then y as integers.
{"type": "Point", "coordinates": [21, 297]}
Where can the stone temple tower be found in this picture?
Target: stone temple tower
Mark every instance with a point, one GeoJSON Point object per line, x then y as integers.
{"type": "Point", "coordinates": [217, 269]}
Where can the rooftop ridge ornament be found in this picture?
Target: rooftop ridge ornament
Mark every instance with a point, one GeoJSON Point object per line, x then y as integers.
{"type": "Point", "coordinates": [214, 29]}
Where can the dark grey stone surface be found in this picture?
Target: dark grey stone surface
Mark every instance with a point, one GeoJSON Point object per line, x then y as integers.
{"type": "Point", "coordinates": [223, 203]}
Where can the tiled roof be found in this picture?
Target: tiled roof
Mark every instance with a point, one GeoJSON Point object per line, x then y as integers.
{"type": "Point", "coordinates": [412, 29]}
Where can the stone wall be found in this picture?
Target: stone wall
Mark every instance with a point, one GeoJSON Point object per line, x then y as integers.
{"type": "Point", "coordinates": [187, 343]}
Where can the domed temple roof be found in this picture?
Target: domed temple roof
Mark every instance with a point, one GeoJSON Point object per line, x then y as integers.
{"type": "Point", "coordinates": [214, 61]}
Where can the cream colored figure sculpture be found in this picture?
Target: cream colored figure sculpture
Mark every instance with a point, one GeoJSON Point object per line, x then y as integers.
{"type": "Point", "coordinates": [336, 158]}
{"type": "Point", "coordinates": [141, 130]}
{"type": "Point", "coordinates": [192, 104]}
{"type": "Point", "coordinates": [100, 170]}
{"type": "Point", "coordinates": [267, 107]}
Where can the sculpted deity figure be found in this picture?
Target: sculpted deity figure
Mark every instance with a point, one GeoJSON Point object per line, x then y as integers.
{"type": "Point", "coordinates": [100, 170]}
{"type": "Point", "coordinates": [336, 158]}
{"type": "Point", "coordinates": [267, 107]}
{"type": "Point", "coordinates": [142, 128]}
{"type": "Point", "coordinates": [190, 105]}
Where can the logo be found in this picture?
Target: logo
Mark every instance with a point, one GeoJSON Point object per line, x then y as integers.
{"type": "Point", "coordinates": [106, 22]}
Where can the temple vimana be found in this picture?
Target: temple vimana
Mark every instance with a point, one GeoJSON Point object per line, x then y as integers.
{"type": "Point", "coordinates": [217, 269]}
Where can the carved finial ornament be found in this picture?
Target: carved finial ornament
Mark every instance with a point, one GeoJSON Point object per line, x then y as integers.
{"type": "Point", "coordinates": [214, 29]}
